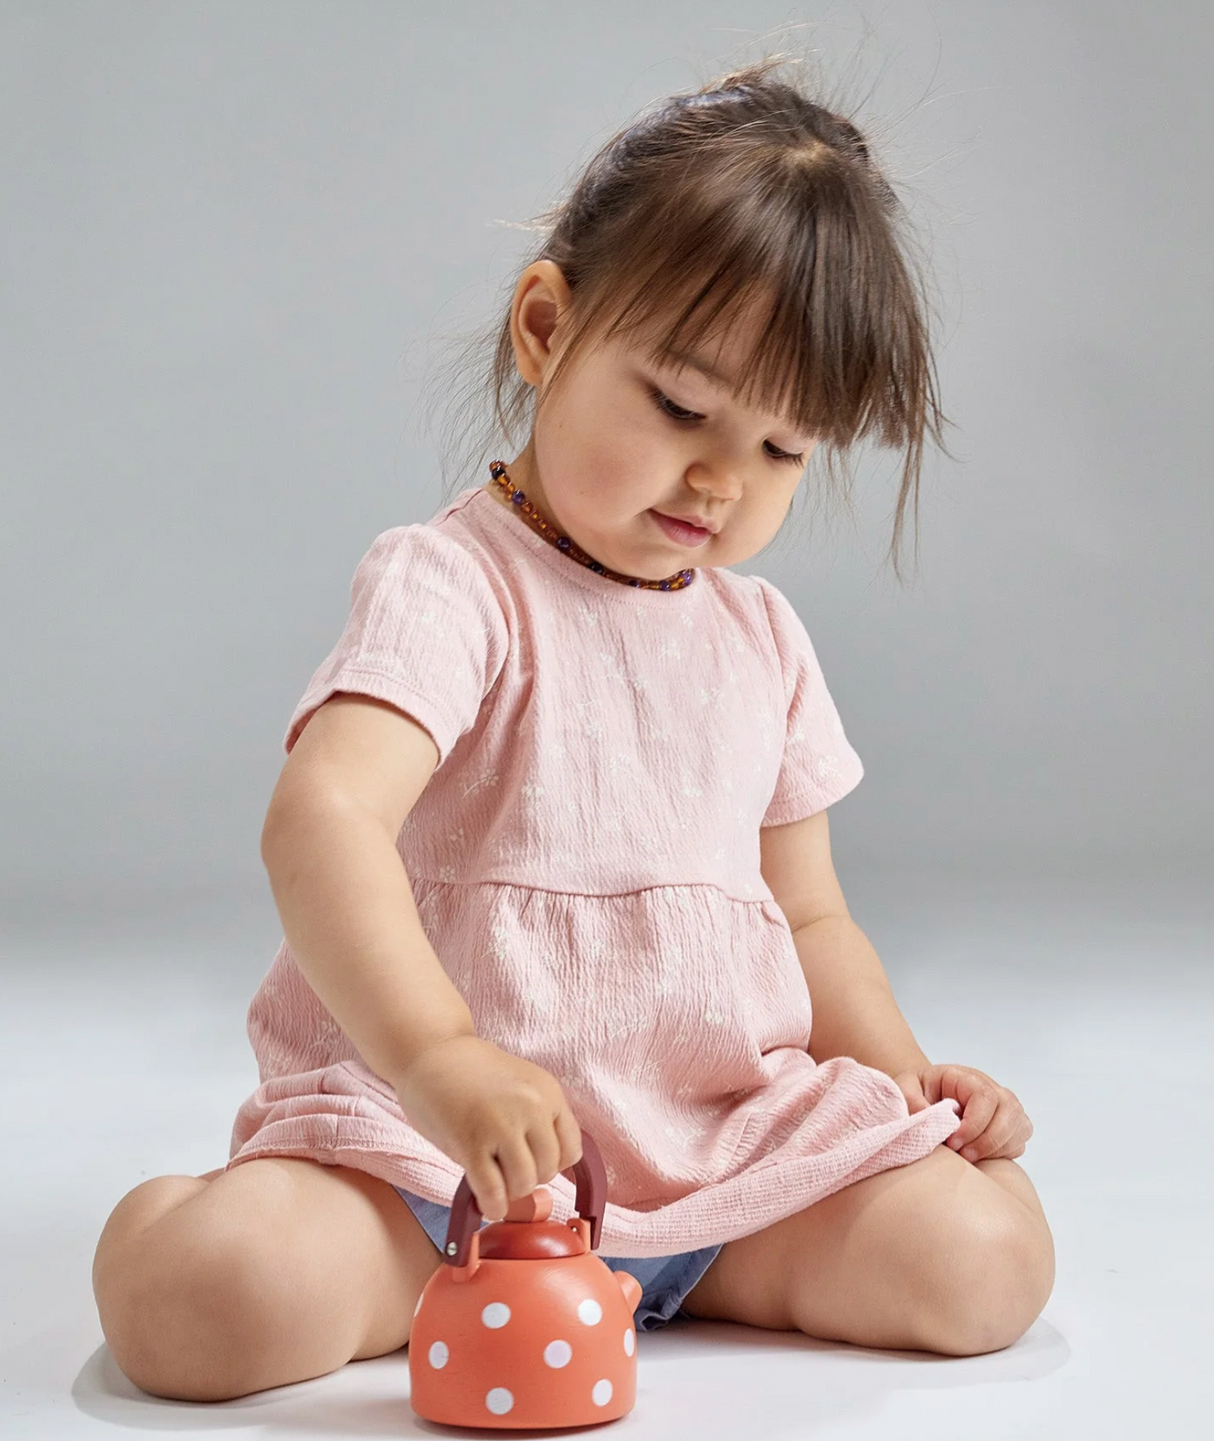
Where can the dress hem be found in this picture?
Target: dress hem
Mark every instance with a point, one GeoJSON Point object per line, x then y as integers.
{"type": "Point", "coordinates": [767, 1192]}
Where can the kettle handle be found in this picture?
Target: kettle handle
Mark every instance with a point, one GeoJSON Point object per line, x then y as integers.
{"type": "Point", "coordinates": [589, 1174]}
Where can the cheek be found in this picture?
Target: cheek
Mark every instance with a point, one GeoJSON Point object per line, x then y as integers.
{"type": "Point", "coordinates": [606, 479]}
{"type": "Point", "coordinates": [610, 447]}
{"type": "Point", "coordinates": [616, 456]}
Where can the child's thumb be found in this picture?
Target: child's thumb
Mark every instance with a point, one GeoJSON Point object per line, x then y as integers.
{"type": "Point", "coordinates": [912, 1088]}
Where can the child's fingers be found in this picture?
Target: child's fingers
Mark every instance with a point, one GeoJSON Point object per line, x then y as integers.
{"type": "Point", "coordinates": [1004, 1136]}
{"type": "Point", "coordinates": [979, 1109]}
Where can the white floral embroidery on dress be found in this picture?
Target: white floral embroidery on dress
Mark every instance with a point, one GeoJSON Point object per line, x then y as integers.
{"type": "Point", "coordinates": [624, 1029]}
{"type": "Point", "coordinates": [683, 1135]}
{"type": "Point", "coordinates": [489, 778]}
{"type": "Point", "coordinates": [425, 905]}
{"type": "Point", "coordinates": [328, 1033]}
{"type": "Point", "coordinates": [500, 938]}
{"type": "Point", "coordinates": [826, 768]}
{"type": "Point", "coordinates": [611, 664]}
{"type": "Point", "coordinates": [622, 763]}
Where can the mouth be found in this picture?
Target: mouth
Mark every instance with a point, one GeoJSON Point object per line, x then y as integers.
{"type": "Point", "coordinates": [680, 531]}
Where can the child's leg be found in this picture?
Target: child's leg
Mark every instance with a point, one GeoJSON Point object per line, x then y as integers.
{"type": "Point", "coordinates": [937, 1255]}
{"type": "Point", "coordinates": [1012, 1178]}
{"type": "Point", "coordinates": [276, 1271]}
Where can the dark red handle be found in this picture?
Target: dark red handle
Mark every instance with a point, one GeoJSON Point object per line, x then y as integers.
{"type": "Point", "coordinates": [589, 1175]}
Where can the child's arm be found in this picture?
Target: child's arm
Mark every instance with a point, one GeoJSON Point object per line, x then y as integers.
{"type": "Point", "coordinates": [854, 1011]}
{"type": "Point", "coordinates": [347, 909]}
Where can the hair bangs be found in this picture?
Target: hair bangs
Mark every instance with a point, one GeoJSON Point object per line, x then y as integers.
{"type": "Point", "coordinates": [835, 342]}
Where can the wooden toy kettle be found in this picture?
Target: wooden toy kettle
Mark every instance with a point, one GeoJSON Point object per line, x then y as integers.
{"type": "Point", "coordinates": [523, 1325]}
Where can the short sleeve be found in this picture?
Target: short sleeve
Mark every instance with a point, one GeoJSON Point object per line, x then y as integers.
{"type": "Point", "coordinates": [425, 633]}
{"type": "Point", "coordinates": [819, 765]}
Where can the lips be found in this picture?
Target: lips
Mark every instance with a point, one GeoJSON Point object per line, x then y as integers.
{"type": "Point", "coordinates": [698, 521]}
{"type": "Point", "coordinates": [680, 531]}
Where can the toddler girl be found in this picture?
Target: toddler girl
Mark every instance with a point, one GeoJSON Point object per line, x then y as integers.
{"type": "Point", "coordinates": [550, 848]}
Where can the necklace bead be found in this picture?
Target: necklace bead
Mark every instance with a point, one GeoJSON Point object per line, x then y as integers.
{"type": "Point", "coordinates": [542, 526]}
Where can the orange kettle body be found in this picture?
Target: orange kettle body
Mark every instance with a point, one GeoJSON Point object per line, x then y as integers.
{"type": "Point", "coordinates": [523, 1326]}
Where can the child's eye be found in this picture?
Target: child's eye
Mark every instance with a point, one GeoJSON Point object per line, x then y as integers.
{"type": "Point", "coordinates": [677, 412]}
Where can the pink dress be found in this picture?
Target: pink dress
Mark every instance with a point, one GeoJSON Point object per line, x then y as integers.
{"type": "Point", "coordinates": [585, 861]}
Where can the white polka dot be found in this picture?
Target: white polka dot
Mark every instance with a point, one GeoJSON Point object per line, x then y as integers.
{"type": "Point", "coordinates": [558, 1353]}
{"type": "Point", "coordinates": [496, 1314]}
{"type": "Point", "coordinates": [439, 1355]}
{"type": "Point", "coordinates": [420, 1299]}
{"type": "Point", "coordinates": [589, 1312]}
{"type": "Point", "coordinates": [499, 1400]}
{"type": "Point", "coordinates": [630, 1341]}
{"type": "Point", "coordinates": [602, 1392]}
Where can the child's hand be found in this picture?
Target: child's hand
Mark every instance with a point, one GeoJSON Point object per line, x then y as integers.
{"type": "Point", "coordinates": [505, 1120]}
{"type": "Point", "coordinates": [993, 1122]}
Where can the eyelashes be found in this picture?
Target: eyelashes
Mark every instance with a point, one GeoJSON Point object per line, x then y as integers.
{"type": "Point", "coordinates": [668, 407]}
{"type": "Point", "coordinates": [677, 412]}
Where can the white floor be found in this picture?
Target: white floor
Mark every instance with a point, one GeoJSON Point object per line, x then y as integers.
{"type": "Point", "coordinates": [126, 1058]}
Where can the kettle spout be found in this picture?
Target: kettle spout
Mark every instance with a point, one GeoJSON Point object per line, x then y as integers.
{"type": "Point", "coordinates": [630, 1286]}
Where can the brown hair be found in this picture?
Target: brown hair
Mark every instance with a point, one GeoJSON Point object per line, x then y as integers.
{"type": "Point", "coordinates": [745, 190]}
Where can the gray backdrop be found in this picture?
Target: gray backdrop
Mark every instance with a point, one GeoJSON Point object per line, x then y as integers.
{"type": "Point", "coordinates": [236, 238]}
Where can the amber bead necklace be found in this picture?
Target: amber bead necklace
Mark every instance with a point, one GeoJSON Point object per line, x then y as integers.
{"type": "Point", "coordinates": [542, 526]}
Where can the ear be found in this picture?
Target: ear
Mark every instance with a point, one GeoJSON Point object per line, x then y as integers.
{"type": "Point", "coordinates": [541, 297]}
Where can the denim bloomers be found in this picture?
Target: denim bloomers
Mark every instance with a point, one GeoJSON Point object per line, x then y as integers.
{"type": "Point", "coordinates": [664, 1280]}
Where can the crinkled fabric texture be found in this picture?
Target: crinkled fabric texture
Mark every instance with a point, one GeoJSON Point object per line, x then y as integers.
{"type": "Point", "coordinates": [585, 862]}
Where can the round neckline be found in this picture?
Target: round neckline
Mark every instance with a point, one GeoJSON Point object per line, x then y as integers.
{"type": "Point", "coordinates": [581, 575]}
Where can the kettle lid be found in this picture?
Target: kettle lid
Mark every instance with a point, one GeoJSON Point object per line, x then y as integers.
{"type": "Point", "coordinates": [523, 1240]}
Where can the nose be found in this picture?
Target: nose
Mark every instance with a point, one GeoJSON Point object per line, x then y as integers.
{"type": "Point", "coordinates": [723, 481]}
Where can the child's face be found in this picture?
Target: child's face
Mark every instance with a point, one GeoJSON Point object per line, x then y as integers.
{"type": "Point", "coordinates": [606, 452]}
